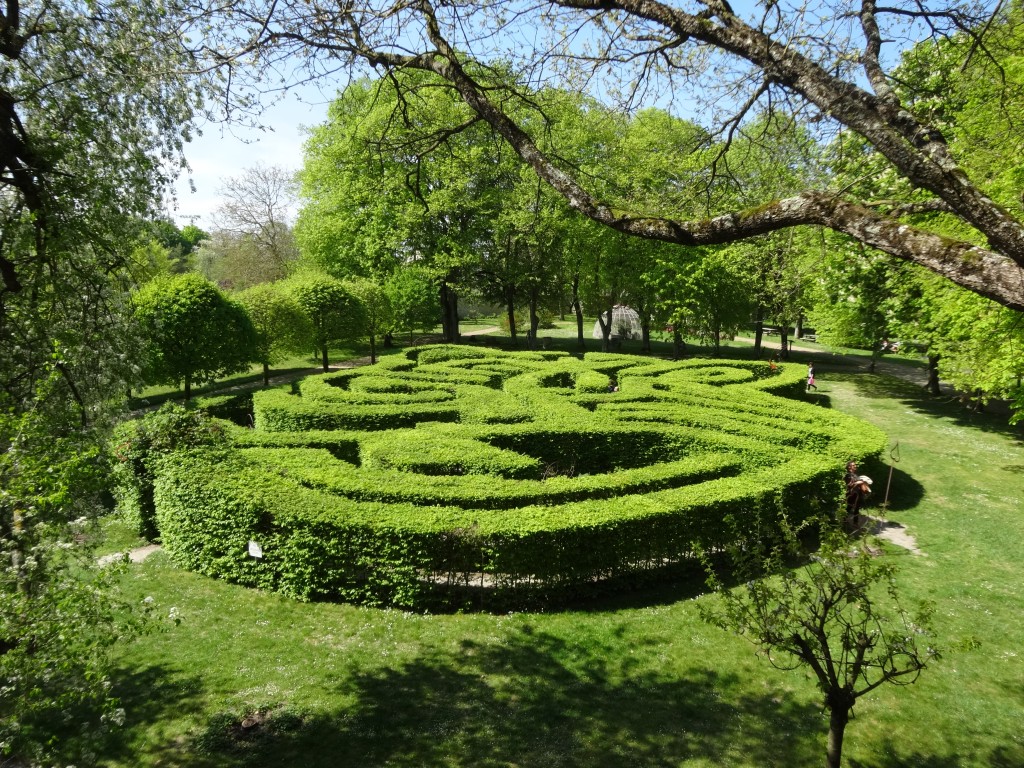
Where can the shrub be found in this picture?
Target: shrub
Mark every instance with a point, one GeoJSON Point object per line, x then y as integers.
{"type": "Point", "coordinates": [509, 476]}
{"type": "Point", "coordinates": [139, 446]}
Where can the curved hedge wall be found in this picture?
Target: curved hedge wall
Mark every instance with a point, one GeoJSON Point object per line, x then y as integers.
{"type": "Point", "coordinates": [459, 474]}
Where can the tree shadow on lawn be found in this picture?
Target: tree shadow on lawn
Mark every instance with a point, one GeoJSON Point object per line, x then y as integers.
{"type": "Point", "coordinates": [149, 696]}
{"type": "Point", "coordinates": [893, 756]}
{"type": "Point", "coordinates": [904, 492]}
{"type": "Point", "coordinates": [882, 387]}
{"type": "Point", "coordinates": [546, 701]}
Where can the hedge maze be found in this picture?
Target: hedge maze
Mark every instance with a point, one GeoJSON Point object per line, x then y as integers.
{"type": "Point", "coordinates": [457, 475]}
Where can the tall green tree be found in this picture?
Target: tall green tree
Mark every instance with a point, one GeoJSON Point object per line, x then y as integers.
{"type": "Point", "coordinates": [194, 331]}
{"type": "Point", "coordinates": [413, 302]}
{"type": "Point", "coordinates": [96, 102]}
{"type": "Point", "coordinates": [280, 324]}
{"type": "Point", "coordinates": [711, 296]}
{"type": "Point", "coordinates": [395, 180]}
{"type": "Point", "coordinates": [334, 314]}
{"type": "Point", "coordinates": [377, 312]}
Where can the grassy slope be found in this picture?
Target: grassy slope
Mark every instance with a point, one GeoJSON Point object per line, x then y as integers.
{"type": "Point", "coordinates": [639, 681]}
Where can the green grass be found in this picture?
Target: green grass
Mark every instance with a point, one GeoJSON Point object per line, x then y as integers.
{"type": "Point", "coordinates": [634, 680]}
{"type": "Point", "coordinates": [294, 366]}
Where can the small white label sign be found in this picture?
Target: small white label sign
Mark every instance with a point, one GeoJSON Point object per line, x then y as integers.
{"type": "Point", "coordinates": [255, 550]}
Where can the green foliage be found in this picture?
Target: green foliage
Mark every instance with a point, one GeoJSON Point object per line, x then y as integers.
{"type": "Point", "coordinates": [59, 614]}
{"type": "Point", "coordinates": [334, 314]}
{"type": "Point", "coordinates": [139, 446]}
{"type": "Point", "coordinates": [711, 295]}
{"type": "Point", "coordinates": [840, 616]}
{"type": "Point", "coordinates": [194, 331]}
{"type": "Point", "coordinates": [413, 297]}
{"type": "Point", "coordinates": [280, 324]}
{"type": "Point", "coordinates": [377, 312]}
{"type": "Point", "coordinates": [454, 461]}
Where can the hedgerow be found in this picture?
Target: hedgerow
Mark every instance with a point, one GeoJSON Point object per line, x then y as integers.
{"type": "Point", "coordinates": [455, 474]}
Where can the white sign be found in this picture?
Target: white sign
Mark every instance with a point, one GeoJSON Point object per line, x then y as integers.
{"type": "Point", "coordinates": [255, 550]}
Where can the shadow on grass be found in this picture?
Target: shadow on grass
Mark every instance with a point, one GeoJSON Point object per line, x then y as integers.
{"type": "Point", "coordinates": [544, 701]}
{"type": "Point", "coordinates": [883, 387]}
{"type": "Point", "coordinates": [148, 696]}
{"type": "Point", "coordinates": [904, 492]}
{"type": "Point", "coordinates": [895, 756]}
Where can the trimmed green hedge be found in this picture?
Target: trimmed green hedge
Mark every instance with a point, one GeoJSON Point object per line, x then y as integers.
{"type": "Point", "coordinates": [457, 474]}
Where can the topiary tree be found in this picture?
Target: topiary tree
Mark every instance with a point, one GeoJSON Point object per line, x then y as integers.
{"type": "Point", "coordinates": [281, 325]}
{"type": "Point", "coordinates": [194, 331]}
{"type": "Point", "coordinates": [378, 315]}
{"type": "Point", "coordinates": [334, 313]}
{"type": "Point", "coordinates": [840, 616]}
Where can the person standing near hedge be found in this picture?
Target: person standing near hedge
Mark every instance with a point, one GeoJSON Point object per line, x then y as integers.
{"type": "Point", "coordinates": [857, 488]}
{"type": "Point", "coordinates": [810, 377]}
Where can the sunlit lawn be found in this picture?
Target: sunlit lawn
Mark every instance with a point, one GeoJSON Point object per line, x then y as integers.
{"type": "Point", "coordinates": [636, 680]}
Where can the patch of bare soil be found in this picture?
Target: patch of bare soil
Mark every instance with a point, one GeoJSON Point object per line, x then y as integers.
{"type": "Point", "coordinates": [894, 533]}
{"type": "Point", "coordinates": [136, 555]}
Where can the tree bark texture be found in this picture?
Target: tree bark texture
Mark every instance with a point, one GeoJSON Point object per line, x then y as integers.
{"type": "Point", "coordinates": [917, 151]}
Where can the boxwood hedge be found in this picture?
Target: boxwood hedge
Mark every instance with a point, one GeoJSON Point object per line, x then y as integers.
{"type": "Point", "coordinates": [456, 473]}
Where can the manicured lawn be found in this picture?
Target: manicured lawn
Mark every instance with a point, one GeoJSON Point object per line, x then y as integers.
{"type": "Point", "coordinates": [634, 680]}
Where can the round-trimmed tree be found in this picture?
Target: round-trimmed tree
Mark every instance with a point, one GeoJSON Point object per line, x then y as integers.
{"type": "Point", "coordinates": [333, 312]}
{"type": "Point", "coordinates": [194, 331]}
{"type": "Point", "coordinates": [281, 325]}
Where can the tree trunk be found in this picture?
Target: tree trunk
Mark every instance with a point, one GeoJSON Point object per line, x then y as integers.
{"type": "Point", "coordinates": [799, 330]}
{"type": "Point", "coordinates": [678, 344]}
{"type": "Point", "coordinates": [784, 341]}
{"type": "Point", "coordinates": [577, 309]}
{"type": "Point", "coordinates": [389, 340]}
{"type": "Point", "coordinates": [373, 349]}
{"type": "Point", "coordinates": [758, 330]}
{"type": "Point", "coordinates": [266, 374]}
{"type": "Point", "coordinates": [606, 330]}
{"type": "Point", "coordinates": [188, 388]}
{"type": "Point", "coordinates": [510, 311]}
{"type": "Point", "coordinates": [534, 319]}
{"type": "Point", "coordinates": [323, 353]}
{"type": "Point", "coordinates": [449, 314]}
{"type": "Point", "coordinates": [839, 716]}
{"type": "Point", "coordinates": [933, 375]}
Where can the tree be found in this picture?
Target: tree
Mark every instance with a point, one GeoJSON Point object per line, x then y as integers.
{"type": "Point", "coordinates": [194, 331]}
{"type": "Point", "coordinates": [334, 314]}
{"type": "Point", "coordinates": [236, 262]}
{"type": "Point", "coordinates": [96, 101]}
{"type": "Point", "coordinates": [388, 183]}
{"type": "Point", "coordinates": [59, 613]}
{"type": "Point", "coordinates": [413, 304]}
{"type": "Point", "coordinates": [254, 211]}
{"type": "Point", "coordinates": [179, 243]}
{"type": "Point", "coordinates": [710, 296]}
{"type": "Point", "coordinates": [659, 49]}
{"type": "Point", "coordinates": [376, 311]}
{"type": "Point", "coordinates": [280, 324]}
{"type": "Point", "coordinates": [840, 616]}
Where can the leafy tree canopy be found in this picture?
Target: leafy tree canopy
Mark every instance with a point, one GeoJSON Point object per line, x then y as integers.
{"type": "Point", "coordinates": [194, 331]}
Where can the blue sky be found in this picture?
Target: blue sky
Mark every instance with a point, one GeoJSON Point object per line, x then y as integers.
{"type": "Point", "coordinates": [227, 150]}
